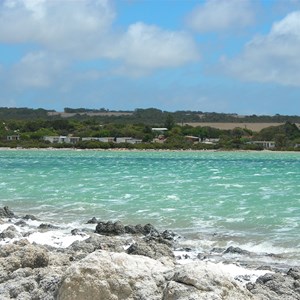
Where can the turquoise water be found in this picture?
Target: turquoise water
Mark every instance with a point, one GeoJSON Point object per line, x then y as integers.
{"type": "Point", "coordinates": [250, 199]}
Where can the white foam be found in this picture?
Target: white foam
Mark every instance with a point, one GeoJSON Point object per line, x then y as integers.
{"type": "Point", "coordinates": [238, 272]}
{"type": "Point", "coordinates": [55, 238]}
{"type": "Point", "coordinates": [173, 197]}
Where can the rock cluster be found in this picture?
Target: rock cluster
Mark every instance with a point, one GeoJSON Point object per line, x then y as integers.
{"type": "Point", "coordinates": [122, 262]}
{"type": "Point", "coordinates": [107, 275]}
{"type": "Point", "coordinates": [277, 286]}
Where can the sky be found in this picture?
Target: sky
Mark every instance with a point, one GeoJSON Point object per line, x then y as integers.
{"type": "Point", "coordinates": [231, 56]}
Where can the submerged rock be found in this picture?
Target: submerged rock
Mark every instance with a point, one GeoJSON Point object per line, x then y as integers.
{"type": "Point", "coordinates": [236, 250]}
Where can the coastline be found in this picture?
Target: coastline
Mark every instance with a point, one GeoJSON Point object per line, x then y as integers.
{"type": "Point", "coordinates": [49, 245]}
{"type": "Point", "coordinates": [146, 150]}
{"type": "Point", "coordinates": [65, 236]}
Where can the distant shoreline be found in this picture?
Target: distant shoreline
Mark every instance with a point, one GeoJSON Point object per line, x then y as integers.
{"type": "Point", "coordinates": [145, 150]}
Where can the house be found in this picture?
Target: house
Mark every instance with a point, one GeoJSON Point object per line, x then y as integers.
{"type": "Point", "coordinates": [264, 144]}
{"type": "Point", "coordinates": [62, 139]}
{"type": "Point", "coordinates": [129, 140]}
{"type": "Point", "coordinates": [210, 141]}
{"type": "Point", "coordinates": [192, 138]}
{"type": "Point", "coordinates": [99, 139]}
{"type": "Point", "coordinates": [159, 130]}
{"type": "Point", "coordinates": [15, 137]}
{"type": "Point", "coordinates": [72, 139]}
{"type": "Point", "coordinates": [117, 140]}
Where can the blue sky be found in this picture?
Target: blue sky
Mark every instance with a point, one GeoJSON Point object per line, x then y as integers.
{"type": "Point", "coordinates": [232, 56]}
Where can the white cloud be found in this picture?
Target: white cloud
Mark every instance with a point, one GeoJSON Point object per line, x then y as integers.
{"type": "Point", "coordinates": [221, 15]}
{"type": "Point", "coordinates": [83, 29]}
{"type": "Point", "coordinates": [150, 47]}
{"type": "Point", "coordinates": [273, 57]}
{"type": "Point", "coordinates": [58, 25]}
{"type": "Point", "coordinates": [36, 70]}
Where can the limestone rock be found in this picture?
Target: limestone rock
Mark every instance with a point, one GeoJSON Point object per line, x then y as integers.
{"type": "Point", "coordinates": [203, 280]}
{"type": "Point", "coordinates": [115, 276]}
{"type": "Point", "coordinates": [277, 286]}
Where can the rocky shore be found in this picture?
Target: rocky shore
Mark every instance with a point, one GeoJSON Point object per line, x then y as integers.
{"type": "Point", "coordinates": [110, 260]}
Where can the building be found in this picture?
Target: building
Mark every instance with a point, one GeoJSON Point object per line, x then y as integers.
{"type": "Point", "coordinates": [264, 144]}
{"type": "Point", "coordinates": [160, 129]}
{"type": "Point", "coordinates": [14, 137]}
{"type": "Point", "coordinates": [191, 138]}
{"type": "Point", "coordinates": [128, 140]}
{"type": "Point", "coordinates": [62, 139]}
{"type": "Point", "coordinates": [99, 139]}
{"type": "Point", "coordinates": [117, 140]}
{"type": "Point", "coordinates": [210, 141]}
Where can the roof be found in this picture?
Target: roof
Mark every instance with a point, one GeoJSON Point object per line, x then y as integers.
{"type": "Point", "coordinates": [159, 129]}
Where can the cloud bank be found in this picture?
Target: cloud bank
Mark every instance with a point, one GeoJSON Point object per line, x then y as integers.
{"type": "Point", "coordinates": [221, 15]}
{"type": "Point", "coordinates": [273, 57]}
{"type": "Point", "coordinates": [83, 30]}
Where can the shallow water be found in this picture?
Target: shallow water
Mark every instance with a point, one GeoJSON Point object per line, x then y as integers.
{"type": "Point", "coordinates": [214, 199]}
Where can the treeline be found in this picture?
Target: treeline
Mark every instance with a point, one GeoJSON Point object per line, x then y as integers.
{"type": "Point", "coordinates": [148, 116]}
{"type": "Point", "coordinates": [22, 113]}
{"type": "Point", "coordinates": [31, 133]}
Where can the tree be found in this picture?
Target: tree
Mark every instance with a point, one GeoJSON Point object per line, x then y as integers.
{"type": "Point", "coordinates": [169, 122]}
{"type": "Point", "coordinates": [280, 140]}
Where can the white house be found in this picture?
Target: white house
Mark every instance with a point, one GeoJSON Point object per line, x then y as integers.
{"type": "Point", "coordinates": [264, 144]}
{"type": "Point", "coordinates": [62, 139]}
{"type": "Point", "coordinates": [129, 140]}
{"type": "Point", "coordinates": [14, 137]}
{"type": "Point", "coordinates": [99, 139]}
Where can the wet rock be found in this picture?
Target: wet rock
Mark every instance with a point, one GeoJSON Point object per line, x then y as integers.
{"type": "Point", "coordinates": [5, 212]}
{"type": "Point", "coordinates": [151, 249]}
{"type": "Point", "coordinates": [10, 233]}
{"type": "Point", "coordinates": [76, 231]}
{"type": "Point", "coordinates": [217, 250]}
{"type": "Point", "coordinates": [47, 226]}
{"type": "Point", "coordinates": [131, 229]}
{"type": "Point", "coordinates": [158, 239]}
{"type": "Point", "coordinates": [21, 223]}
{"type": "Point", "coordinates": [92, 221]}
{"type": "Point", "coordinates": [30, 217]}
{"type": "Point", "coordinates": [236, 250]}
{"type": "Point", "coordinates": [110, 228]}
{"type": "Point", "coordinates": [149, 229]}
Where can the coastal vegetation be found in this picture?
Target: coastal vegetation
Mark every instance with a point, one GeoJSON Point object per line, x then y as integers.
{"type": "Point", "coordinates": [27, 128]}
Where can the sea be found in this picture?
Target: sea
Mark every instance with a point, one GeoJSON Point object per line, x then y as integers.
{"type": "Point", "coordinates": [212, 199]}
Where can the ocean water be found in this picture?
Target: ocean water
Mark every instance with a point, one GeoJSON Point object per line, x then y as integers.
{"type": "Point", "coordinates": [214, 199]}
